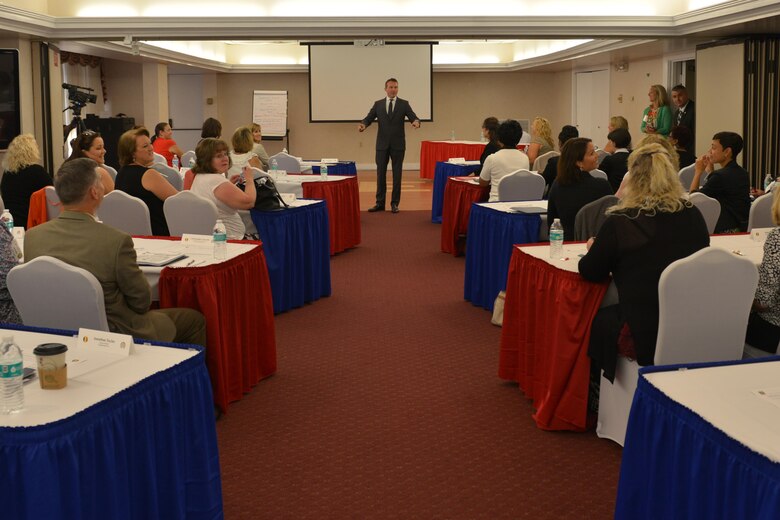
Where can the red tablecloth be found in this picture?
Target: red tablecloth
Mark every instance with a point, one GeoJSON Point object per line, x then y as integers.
{"type": "Point", "coordinates": [343, 201]}
{"type": "Point", "coordinates": [235, 298]}
{"type": "Point", "coordinates": [544, 339]}
{"type": "Point", "coordinates": [432, 151]}
{"type": "Point", "coordinates": [458, 198]}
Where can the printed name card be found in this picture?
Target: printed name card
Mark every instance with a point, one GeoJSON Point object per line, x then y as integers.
{"type": "Point", "coordinates": [109, 342]}
{"type": "Point", "coordinates": [288, 198]}
{"type": "Point", "coordinates": [194, 244]}
{"type": "Point", "coordinates": [760, 234]}
{"type": "Point", "coordinates": [329, 161]}
{"type": "Point", "coordinates": [457, 160]}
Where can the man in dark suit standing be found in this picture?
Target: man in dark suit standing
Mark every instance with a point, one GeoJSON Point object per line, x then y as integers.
{"type": "Point", "coordinates": [390, 113]}
{"type": "Point", "coordinates": [684, 111]}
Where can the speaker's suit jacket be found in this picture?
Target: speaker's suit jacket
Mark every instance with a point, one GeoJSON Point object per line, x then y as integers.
{"type": "Point", "coordinates": [79, 240]}
{"type": "Point", "coordinates": [688, 117]}
{"type": "Point", "coordinates": [391, 134]}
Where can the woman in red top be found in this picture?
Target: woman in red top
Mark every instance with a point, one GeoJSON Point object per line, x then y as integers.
{"type": "Point", "coordinates": [164, 145]}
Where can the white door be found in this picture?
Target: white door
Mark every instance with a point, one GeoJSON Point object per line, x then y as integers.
{"type": "Point", "coordinates": [591, 111]}
{"type": "Point", "coordinates": [185, 104]}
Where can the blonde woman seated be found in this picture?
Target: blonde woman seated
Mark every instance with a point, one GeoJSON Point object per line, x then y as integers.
{"type": "Point", "coordinates": [541, 139]}
{"type": "Point", "coordinates": [242, 154]}
{"type": "Point", "coordinates": [212, 161]}
{"type": "Point", "coordinates": [259, 149]}
{"type": "Point", "coordinates": [651, 227]}
{"type": "Point", "coordinates": [650, 139]}
{"type": "Point", "coordinates": [89, 144]}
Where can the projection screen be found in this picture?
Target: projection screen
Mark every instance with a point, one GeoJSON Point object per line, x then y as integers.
{"type": "Point", "coordinates": [346, 79]}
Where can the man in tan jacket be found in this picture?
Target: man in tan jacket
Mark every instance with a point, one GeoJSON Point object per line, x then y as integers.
{"type": "Point", "coordinates": [77, 238]}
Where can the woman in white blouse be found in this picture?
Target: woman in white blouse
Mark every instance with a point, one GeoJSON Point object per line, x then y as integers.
{"type": "Point", "coordinates": [764, 324]}
{"type": "Point", "coordinates": [212, 161]}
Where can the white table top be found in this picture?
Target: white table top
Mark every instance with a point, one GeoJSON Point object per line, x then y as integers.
{"type": "Point", "coordinates": [728, 398]}
{"type": "Point", "coordinates": [508, 207]}
{"type": "Point", "coordinates": [743, 245]}
{"type": "Point", "coordinates": [92, 376]}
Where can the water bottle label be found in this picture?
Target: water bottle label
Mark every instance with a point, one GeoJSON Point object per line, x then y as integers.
{"type": "Point", "coordinates": [11, 370]}
{"type": "Point", "coordinates": [220, 237]}
{"type": "Point", "coordinates": [556, 235]}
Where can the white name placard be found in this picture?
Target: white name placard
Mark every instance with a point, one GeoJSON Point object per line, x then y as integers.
{"type": "Point", "coordinates": [202, 244]}
{"type": "Point", "coordinates": [109, 342]}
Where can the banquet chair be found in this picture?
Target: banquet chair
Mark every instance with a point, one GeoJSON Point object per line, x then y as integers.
{"type": "Point", "coordinates": [521, 185]}
{"type": "Point", "coordinates": [286, 162]}
{"type": "Point", "coordinates": [714, 332]}
{"type": "Point", "coordinates": [591, 216]}
{"type": "Point", "coordinates": [159, 159]}
{"type": "Point", "coordinates": [541, 162]}
{"type": "Point", "coordinates": [602, 154]}
{"type": "Point", "coordinates": [188, 159]}
{"type": "Point", "coordinates": [751, 352]}
{"type": "Point", "coordinates": [686, 177]}
{"type": "Point", "coordinates": [760, 215]}
{"type": "Point", "coordinates": [111, 171]}
{"type": "Point", "coordinates": [709, 208]}
{"type": "Point", "coordinates": [187, 212]}
{"type": "Point", "coordinates": [171, 175]}
{"type": "Point", "coordinates": [53, 205]}
{"type": "Point", "coordinates": [126, 213]}
{"type": "Point", "coordinates": [50, 293]}
{"type": "Point", "coordinates": [599, 174]}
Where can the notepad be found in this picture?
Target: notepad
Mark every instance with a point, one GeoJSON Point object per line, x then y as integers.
{"type": "Point", "coordinates": [531, 210]}
{"type": "Point", "coordinates": [158, 259]}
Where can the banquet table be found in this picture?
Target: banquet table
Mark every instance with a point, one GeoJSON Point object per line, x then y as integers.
{"type": "Point", "coordinates": [241, 346]}
{"type": "Point", "coordinates": [459, 195]}
{"type": "Point", "coordinates": [546, 329]}
{"type": "Point", "coordinates": [129, 437]}
{"type": "Point", "coordinates": [494, 227]}
{"type": "Point", "coordinates": [702, 442]}
{"type": "Point", "coordinates": [342, 197]}
{"type": "Point", "coordinates": [433, 151]}
{"type": "Point", "coordinates": [297, 248]}
{"type": "Point", "coordinates": [445, 170]}
{"type": "Point", "coordinates": [339, 168]}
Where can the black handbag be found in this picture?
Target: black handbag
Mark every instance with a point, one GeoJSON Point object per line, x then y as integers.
{"type": "Point", "coordinates": [268, 197]}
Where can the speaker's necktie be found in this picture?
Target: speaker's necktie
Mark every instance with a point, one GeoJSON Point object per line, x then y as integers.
{"type": "Point", "coordinates": [390, 111]}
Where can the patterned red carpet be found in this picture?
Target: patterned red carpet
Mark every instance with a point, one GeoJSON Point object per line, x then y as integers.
{"type": "Point", "coordinates": [387, 405]}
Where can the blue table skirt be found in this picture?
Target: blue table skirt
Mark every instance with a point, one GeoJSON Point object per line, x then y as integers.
{"type": "Point", "coordinates": [489, 244]}
{"type": "Point", "coordinates": [677, 465]}
{"type": "Point", "coordinates": [148, 452]}
{"type": "Point", "coordinates": [444, 171]}
{"type": "Point", "coordinates": [296, 242]}
{"type": "Point", "coordinates": [340, 168]}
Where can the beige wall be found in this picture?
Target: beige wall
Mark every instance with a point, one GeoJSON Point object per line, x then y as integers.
{"type": "Point", "coordinates": [632, 87]}
{"type": "Point", "coordinates": [124, 85]}
{"type": "Point", "coordinates": [461, 102]}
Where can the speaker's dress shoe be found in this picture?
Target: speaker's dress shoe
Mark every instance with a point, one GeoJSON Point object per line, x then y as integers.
{"type": "Point", "coordinates": [376, 208]}
{"type": "Point", "coordinates": [394, 208]}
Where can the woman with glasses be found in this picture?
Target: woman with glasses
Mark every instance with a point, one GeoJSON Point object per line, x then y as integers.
{"type": "Point", "coordinates": [22, 176]}
{"type": "Point", "coordinates": [89, 144]}
{"type": "Point", "coordinates": [212, 161]}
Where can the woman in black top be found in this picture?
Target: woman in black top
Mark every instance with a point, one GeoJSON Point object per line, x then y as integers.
{"type": "Point", "coordinates": [22, 177]}
{"type": "Point", "coordinates": [489, 132]}
{"type": "Point", "coordinates": [681, 138]}
{"type": "Point", "coordinates": [574, 186]}
{"type": "Point", "coordinates": [137, 178]}
{"type": "Point", "coordinates": [652, 226]}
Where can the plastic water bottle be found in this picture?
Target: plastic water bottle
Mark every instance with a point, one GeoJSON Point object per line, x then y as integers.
{"type": "Point", "coordinates": [175, 163]}
{"type": "Point", "coordinates": [220, 240]}
{"type": "Point", "coordinates": [556, 239]}
{"type": "Point", "coordinates": [8, 220]}
{"type": "Point", "coordinates": [274, 165]}
{"type": "Point", "coordinates": [767, 181]}
{"type": "Point", "coordinates": [324, 172]}
{"type": "Point", "coordinates": [11, 372]}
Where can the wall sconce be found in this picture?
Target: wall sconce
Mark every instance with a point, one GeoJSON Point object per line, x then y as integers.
{"type": "Point", "coordinates": [621, 66]}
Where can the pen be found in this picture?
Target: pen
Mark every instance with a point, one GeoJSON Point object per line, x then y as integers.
{"type": "Point", "coordinates": [190, 263]}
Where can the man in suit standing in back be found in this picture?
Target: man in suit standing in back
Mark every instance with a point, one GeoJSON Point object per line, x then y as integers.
{"type": "Point", "coordinates": [390, 113]}
{"type": "Point", "coordinates": [684, 111]}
